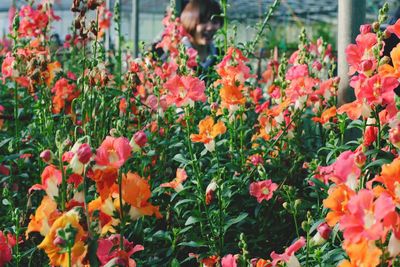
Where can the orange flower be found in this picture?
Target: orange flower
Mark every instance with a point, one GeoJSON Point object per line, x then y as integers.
{"type": "Point", "coordinates": [106, 210]}
{"type": "Point", "coordinates": [44, 217]}
{"type": "Point", "coordinates": [207, 132]}
{"type": "Point", "coordinates": [105, 179]}
{"type": "Point", "coordinates": [337, 201]}
{"type": "Point", "coordinates": [136, 192]}
{"type": "Point", "coordinates": [326, 115]}
{"type": "Point", "coordinates": [232, 95]}
{"type": "Point", "coordinates": [176, 184]}
{"type": "Point", "coordinates": [52, 69]}
{"type": "Point", "coordinates": [54, 245]}
{"type": "Point", "coordinates": [364, 253]}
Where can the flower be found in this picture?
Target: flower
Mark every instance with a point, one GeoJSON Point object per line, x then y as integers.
{"type": "Point", "coordinates": [108, 250]}
{"type": "Point", "coordinates": [229, 261]}
{"type": "Point", "coordinates": [212, 186]}
{"type": "Point", "coordinates": [7, 242]}
{"type": "Point", "coordinates": [184, 90]}
{"type": "Point", "coordinates": [337, 201]}
{"type": "Point", "coordinates": [176, 184]}
{"type": "Point", "coordinates": [44, 217]}
{"type": "Point", "coordinates": [64, 93]}
{"type": "Point", "coordinates": [113, 152]}
{"type": "Point", "coordinates": [288, 256]}
{"type": "Point", "coordinates": [364, 217]}
{"type": "Point", "coordinates": [46, 155]}
{"type": "Point", "coordinates": [51, 179]}
{"type": "Point", "coordinates": [364, 253]}
{"type": "Point", "coordinates": [395, 28]}
{"type": "Point", "coordinates": [54, 244]}
{"type": "Point", "coordinates": [326, 115]}
{"type": "Point", "coordinates": [207, 132]}
{"type": "Point", "coordinates": [139, 140]}
{"type": "Point", "coordinates": [322, 235]}
{"type": "Point", "coordinates": [32, 22]}
{"type": "Point", "coordinates": [263, 190]}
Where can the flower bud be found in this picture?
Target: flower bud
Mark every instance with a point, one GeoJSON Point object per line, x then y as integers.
{"type": "Point", "coordinates": [375, 26]}
{"type": "Point", "coordinates": [140, 138]}
{"type": "Point", "coordinates": [324, 230]}
{"type": "Point", "coordinates": [317, 65]}
{"type": "Point", "coordinates": [360, 159]}
{"type": "Point", "coordinates": [84, 153]}
{"type": "Point", "coordinates": [367, 65]}
{"type": "Point", "coordinates": [46, 156]}
{"type": "Point", "coordinates": [210, 192]}
{"type": "Point", "coordinates": [58, 241]}
{"type": "Point", "coordinates": [384, 60]}
{"type": "Point", "coordinates": [256, 160]}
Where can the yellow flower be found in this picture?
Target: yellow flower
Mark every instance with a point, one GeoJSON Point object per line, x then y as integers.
{"type": "Point", "coordinates": [55, 245]}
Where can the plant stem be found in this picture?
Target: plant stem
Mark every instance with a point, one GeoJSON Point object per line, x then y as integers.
{"type": "Point", "coordinates": [224, 4]}
{"type": "Point", "coordinates": [121, 210]}
{"type": "Point", "coordinates": [16, 115]}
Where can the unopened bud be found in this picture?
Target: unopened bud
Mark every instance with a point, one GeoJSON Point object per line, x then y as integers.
{"type": "Point", "coordinates": [360, 159]}
{"type": "Point", "coordinates": [324, 230]}
{"type": "Point", "coordinates": [84, 153]}
{"type": "Point", "coordinates": [375, 26]}
{"type": "Point", "coordinates": [46, 156]}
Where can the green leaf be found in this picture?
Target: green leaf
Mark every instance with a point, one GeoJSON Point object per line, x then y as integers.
{"type": "Point", "coordinates": [192, 244]}
{"type": "Point", "coordinates": [378, 162]}
{"type": "Point", "coordinates": [192, 220]}
{"type": "Point", "coordinates": [236, 220]}
{"type": "Point", "coordinates": [181, 159]}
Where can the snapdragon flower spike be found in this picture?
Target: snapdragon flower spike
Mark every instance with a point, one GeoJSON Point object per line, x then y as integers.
{"type": "Point", "coordinates": [113, 152]}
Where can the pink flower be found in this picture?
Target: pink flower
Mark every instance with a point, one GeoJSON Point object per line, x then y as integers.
{"type": "Point", "coordinates": [51, 179]}
{"type": "Point", "coordinates": [192, 53]}
{"type": "Point", "coordinates": [297, 71]}
{"type": "Point", "coordinates": [108, 250]}
{"type": "Point", "coordinates": [113, 152]}
{"type": "Point", "coordinates": [263, 190]}
{"type": "Point", "coordinates": [46, 155]}
{"type": "Point", "coordinates": [229, 261]}
{"type": "Point", "coordinates": [365, 216]}
{"type": "Point", "coordinates": [288, 255]}
{"type": "Point", "coordinates": [357, 53]}
{"type": "Point", "coordinates": [184, 90]}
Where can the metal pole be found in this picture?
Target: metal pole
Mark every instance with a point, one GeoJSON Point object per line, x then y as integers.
{"type": "Point", "coordinates": [351, 15]}
{"type": "Point", "coordinates": [135, 27]}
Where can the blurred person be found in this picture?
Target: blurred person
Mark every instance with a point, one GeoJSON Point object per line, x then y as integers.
{"type": "Point", "coordinates": [201, 19]}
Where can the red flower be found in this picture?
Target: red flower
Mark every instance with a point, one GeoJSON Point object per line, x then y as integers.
{"type": "Point", "coordinates": [64, 93]}
{"type": "Point", "coordinates": [6, 245]}
{"type": "Point", "coordinates": [263, 190]}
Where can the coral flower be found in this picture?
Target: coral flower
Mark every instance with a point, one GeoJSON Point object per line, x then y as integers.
{"type": "Point", "coordinates": [364, 253]}
{"type": "Point", "coordinates": [288, 256]}
{"type": "Point", "coordinates": [44, 217]}
{"type": "Point", "coordinates": [364, 217]}
{"type": "Point", "coordinates": [176, 184]}
{"type": "Point", "coordinates": [337, 202]}
{"type": "Point", "coordinates": [208, 131]}
{"type": "Point", "coordinates": [263, 190]}
{"type": "Point", "coordinates": [185, 90]}
{"type": "Point", "coordinates": [108, 251]}
{"type": "Point", "coordinates": [54, 245]}
{"type": "Point", "coordinates": [395, 28]}
{"type": "Point", "coordinates": [51, 179]}
{"type": "Point", "coordinates": [113, 152]}
{"type": "Point", "coordinates": [326, 115]}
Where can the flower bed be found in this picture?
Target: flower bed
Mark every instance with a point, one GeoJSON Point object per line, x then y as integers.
{"type": "Point", "coordinates": [108, 160]}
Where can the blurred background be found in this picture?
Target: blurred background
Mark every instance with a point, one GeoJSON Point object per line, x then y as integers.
{"type": "Point", "coordinates": [319, 17]}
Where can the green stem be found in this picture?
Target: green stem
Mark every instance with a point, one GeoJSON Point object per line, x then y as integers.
{"type": "Point", "coordinates": [16, 115]}
{"type": "Point", "coordinates": [224, 4]}
{"type": "Point", "coordinates": [69, 257]}
{"type": "Point", "coordinates": [121, 240]}
{"type": "Point", "coordinates": [64, 179]}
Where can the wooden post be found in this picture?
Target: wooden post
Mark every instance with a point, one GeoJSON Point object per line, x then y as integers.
{"type": "Point", "coordinates": [351, 15]}
{"type": "Point", "coordinates": [135, 27]}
